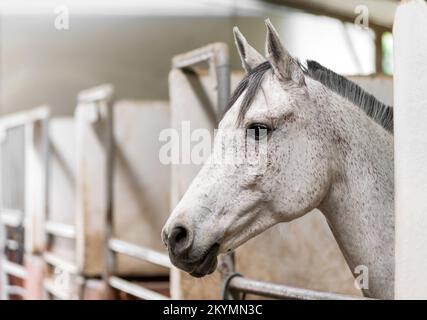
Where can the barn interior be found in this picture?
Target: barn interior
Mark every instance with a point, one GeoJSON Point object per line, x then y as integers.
{"type": "Point", "coordinates": [87, 88]}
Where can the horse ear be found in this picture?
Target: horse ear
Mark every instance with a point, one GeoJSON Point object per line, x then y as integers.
{"type": "Point", "coordinates": [249, 56]}
{"type": "Point", "coordinates": [283, 64]}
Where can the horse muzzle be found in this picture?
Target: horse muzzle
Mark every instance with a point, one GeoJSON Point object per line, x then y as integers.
{"type": "Point", "coordinates": [180, 244]}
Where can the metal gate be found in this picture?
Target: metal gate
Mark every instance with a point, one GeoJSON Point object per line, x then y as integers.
{"type": "Point", "coordinates": [23, 136]}
{"type": "Point", "coordinates": [66, 278]}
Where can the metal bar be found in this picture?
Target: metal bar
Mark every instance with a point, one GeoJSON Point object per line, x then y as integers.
{"type": "Point", "coordinates": [45, 158]}
{"type": "Point", "coordinates": [14, 269]}
{"type": "Point", "coordinates": [15, 290]}
{"type": "Point", "coordinates": [378, 51]}
{"type": "Point", "coordinates": [224, 85]}
{"type": "Point", "coordinates": [13, 120]}
{"type": "Point", "coordinates": [12, 218]}
{"type": "Point", "coordinates": [60, 263]}
{"type": "Point", "coordinates": [110, 255]}
{"type": "Point", "coordinates": [3, 276]}
{"type": "Point", "coordinates": [103, 92]}
{"type": "Point", "coordinates": [23, 117]}
{"type": "Point", "coordinates": [135, 290]}
{"type": "Point", "coordinates": [60, 229]}
{"type": "Point", "coordinates": [215, 51]}
{"type": "Point", "coordinates": [139, 252]}
{"type": "Point", "coordinates": [218, 57]}
{"type": "Point", "coordinates": [36, 154]}
{"type": "Point", "coordinates": [12, 245]}
{"type": "Point", "coordinates": [50, 287]}
{"type": "Point", "coordinates": [272, 290]}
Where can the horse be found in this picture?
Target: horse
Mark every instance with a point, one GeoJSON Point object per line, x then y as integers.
{"type": "Point", "coordinates": [329, 146]}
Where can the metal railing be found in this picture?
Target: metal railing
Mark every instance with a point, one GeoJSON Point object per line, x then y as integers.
{"type": "Point", "coordinates": [279, 291]}
{"type": "Point", "coordinates": [117, 246]}
{"type": "Point", "coordinates": [66, 281]}
{"type": "Point", "coordinates": [217, 56]}
{"type": "Point", "coordinates": [16, 135]}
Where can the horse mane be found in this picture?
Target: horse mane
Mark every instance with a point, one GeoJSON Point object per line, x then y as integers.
{"type": "Point", "coordinates": [376, 110]}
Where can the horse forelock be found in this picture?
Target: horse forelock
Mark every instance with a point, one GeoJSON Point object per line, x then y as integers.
{"type": "Point", "coordinates": [249, 85]}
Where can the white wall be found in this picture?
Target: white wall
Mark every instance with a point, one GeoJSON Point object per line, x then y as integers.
{"type": "Point", "coordinates": [410, 141]}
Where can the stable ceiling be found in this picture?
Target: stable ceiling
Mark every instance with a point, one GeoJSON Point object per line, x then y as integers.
{"type": "Point", "coordinates": [381, 12]}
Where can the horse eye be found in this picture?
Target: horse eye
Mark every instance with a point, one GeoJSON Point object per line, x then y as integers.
{"type": "Point", "coordinates": [258, 131]}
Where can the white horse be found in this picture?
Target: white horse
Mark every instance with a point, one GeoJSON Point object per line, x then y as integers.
{"type": "Point", "coordinates": [329, 146]}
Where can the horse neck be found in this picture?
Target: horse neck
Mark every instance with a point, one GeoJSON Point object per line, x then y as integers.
{"type": "Point", "coordinates": [359, 206]}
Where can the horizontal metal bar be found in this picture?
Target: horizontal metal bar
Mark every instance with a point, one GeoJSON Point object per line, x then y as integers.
{"type": "Point", "coordinates": [217, 52]}
{"type": "Point", "coordinates": [16, 290]}
{"type": "Point", "coordinates": [277, 291]}
{"type": "Point", "coordinates": [139, 252]}
{"type": "Point", "coordinates": [12, 245]}
{"type": "Point", "coordinates": [13, 120]}
{"type": "Point", "coordinates": [12, 218]}
{"type": "Point", "coordinates": [52, 289]}
{"type": "Point", "coordinates": [103, 92]}
{"type": "Point", "coordinates": [23, 117]}
{"type": "Point", "coordinates": [135, 290]}
{"type": "Point", "coordinates": [14, 269]}
{"type": "Point", "coordinates": [60, 263]}
{"type": "Point", "coordinates": [60, 229]}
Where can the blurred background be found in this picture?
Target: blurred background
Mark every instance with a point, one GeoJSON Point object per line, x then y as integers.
{"type": "Point", "coordinates": [130, 43]}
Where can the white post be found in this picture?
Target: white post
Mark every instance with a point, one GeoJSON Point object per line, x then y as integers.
{"type": "Point", "coordinates": [410, 127]}
{"type": "Point", "coordinates": [91, 178]}
{"type": "Point", "coordinates": [36, 179]}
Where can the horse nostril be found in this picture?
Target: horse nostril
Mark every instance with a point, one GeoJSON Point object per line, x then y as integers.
{"type": "Point", "coordinates": [179, 240]}
{"type": "Point", "coordinates": [181, 235]}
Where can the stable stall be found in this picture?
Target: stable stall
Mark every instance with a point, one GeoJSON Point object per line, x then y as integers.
{"type": "Point", "coordinates": [23, 188]}
{"type": "Point", "coordinates": [105, 182]}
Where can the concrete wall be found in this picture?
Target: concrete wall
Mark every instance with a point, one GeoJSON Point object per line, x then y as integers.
{"type": "Point", "coordinates": [40, 64]}
{"type": "Point", "coordinates": [43, 65]}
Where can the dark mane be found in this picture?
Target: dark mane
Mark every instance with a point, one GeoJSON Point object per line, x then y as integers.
{"type": "Point", "coordinates": [375, 109]}
{"type": "Point", "coordinates": [378, 111]}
